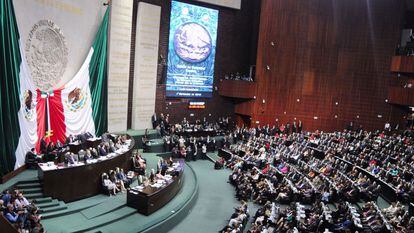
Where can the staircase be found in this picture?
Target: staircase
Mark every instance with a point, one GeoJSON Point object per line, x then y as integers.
{"type": "Point", "coordinates": [32, 190]}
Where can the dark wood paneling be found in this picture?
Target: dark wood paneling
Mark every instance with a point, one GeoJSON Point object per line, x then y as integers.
{"type": "Point", "coordinates": [6, 226]}
{"type": "Point", "coordinates": [74, 183]}
{"type": "Point", "coordinates": [401, 96]}
{"type": "Point", "coordinates": [237, 89]}
{"type": "Point", "coordinates": [402, 64]}
{"type": "Point", "coordinates": [235, 52]}
{"type": "Point", "coordinates": [331, 58]}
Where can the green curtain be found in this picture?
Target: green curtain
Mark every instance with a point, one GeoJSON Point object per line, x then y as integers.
{"type": "Point", "coordinates": [99, 77]}
{"type": "Point", "coordinates": [9, 92]}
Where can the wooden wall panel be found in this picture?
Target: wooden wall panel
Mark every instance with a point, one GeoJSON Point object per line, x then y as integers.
{"type": "Point", "coordinates": [237, 89]}
{"type": "Point", "coordinates": [332, 58]}
{"type": "Point", "coordinates": [402, 64]}
{"type": "Point", "coordinates": [401, 96]}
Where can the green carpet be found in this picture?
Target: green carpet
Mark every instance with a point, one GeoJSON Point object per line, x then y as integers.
{"type": "Point", "coordinates": [111, 215]}
{"type": "Point", "coordinates": [215, 203]}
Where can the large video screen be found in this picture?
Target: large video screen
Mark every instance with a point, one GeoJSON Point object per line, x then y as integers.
{"type": "Point", "coordinates": [191, 51]}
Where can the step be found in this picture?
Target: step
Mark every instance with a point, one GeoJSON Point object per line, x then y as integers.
{"type": "Point", "coordinates": [31, 190]}
{"type": "Point", "coordinates": [29, 181]}
{"type": "Point", "coordinates": [29, 185]}
{"type": "Point", "coordinates": [104, 219]}
{"type": "Point", "coordinates": [40, 200]}
{"type": "Point", "coordinates": [30, 196]}
{"type": "Point", "coordinates": [54, 202]}
{"type": "Point", "coordinates": [59, 207]}
{"type": "Point", "coordinates": [64, 212]}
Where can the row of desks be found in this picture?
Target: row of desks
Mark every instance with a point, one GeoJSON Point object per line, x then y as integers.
{"type": "Point", "coordinates": [71, 183]}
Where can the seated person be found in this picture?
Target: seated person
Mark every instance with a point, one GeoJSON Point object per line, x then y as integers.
{"type": "Point", "coordinates": [122, 176]}
{"type": "Point", "coordinates": [109, 185]}
{"type": "Point", "coordinates": [102, 151]}
{"type": "Point", "coordinates": [17, 218]}
{"type": "Point", "coordinates": [32, 158]}
{"type": "Point", "coordinates": [139, 164]}
{"type": "Point", "coordinates": [21, 201]}
{"type": "Point", "coordinates": [119, 183]}
{"type": "Point", "coordinates": [71, 158]}
{"type": "Point", "coordinates": [81, 155]}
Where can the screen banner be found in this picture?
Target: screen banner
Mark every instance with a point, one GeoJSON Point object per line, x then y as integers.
{"type": "Point", "coordinates": [191, 52]}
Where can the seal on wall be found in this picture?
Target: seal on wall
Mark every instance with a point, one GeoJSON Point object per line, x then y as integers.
{"type": "Point", "coordinates": [46, 54]}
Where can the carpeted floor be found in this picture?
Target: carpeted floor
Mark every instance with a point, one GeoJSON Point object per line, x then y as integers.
{"type": "Point", "coordinates": [215, 203]}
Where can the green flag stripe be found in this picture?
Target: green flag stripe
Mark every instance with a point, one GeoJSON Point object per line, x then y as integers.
{"type": "Point", "coordinates": [9, 91]}
{"type": "Point", "coordinates": [98, 83]}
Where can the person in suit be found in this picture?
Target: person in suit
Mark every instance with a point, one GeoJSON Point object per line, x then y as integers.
{"type": "Point", "coordinates": [88, 135]}
{"type": "Point", "coordinates": [105, 137]}
{"type": "Point", "coordinates": [102, 151]}
{"type": "Point", "coordinates": [70, 139]}
{"type": "Point", "coordinates": [71, 158]}
{"type": "Point", "coordinates": [294, 127]}
{"type": "Point", "coordinates": [43, 145]}
{"type": "Point", "coordinates": [94, 153]}
{"type": "Point", "coordinates": [32, 158]}
{"type": "Point", "coordinates": [82, 138]}
{"type": "Point", "coordinates": [154, 120]}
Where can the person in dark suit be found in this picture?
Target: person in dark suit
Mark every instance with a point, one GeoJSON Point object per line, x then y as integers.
{"type": "Point", "coordinates": [31, 158]}
{"type": "Point", "coordinates": [102, 151]}
{"type": "Point", "coordinates": [154, 120]}
{"type": "Point", "coordinates": [88, 135]}
{"type": "Point", "coordinates": [69, 139]}
{"type": "Point", "coordinates": [294, 127]}
{"type": "Point", "coordinates": [105, 137]}
{"type": "Point", "coordinates": [82, 138]}
{"type": "Point", "coordinates": [300, 126]}
{"type": "Point", "coordinates": [287, 128]}
{"type": "Point", "coordinates": [43, 145]}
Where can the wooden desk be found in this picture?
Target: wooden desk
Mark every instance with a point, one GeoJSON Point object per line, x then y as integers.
{"type": "Point", "coordinates": [77, 182]}
{"type": "Point", "coordinates": [90, 143]}
{"type": "Point", "coordinates": [6, 226]}
{"type": "Point", "coordinates": [151, 199]}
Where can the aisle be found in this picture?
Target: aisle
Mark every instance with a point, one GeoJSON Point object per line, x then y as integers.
{"type": "Point", "coordinates": [215, 203]}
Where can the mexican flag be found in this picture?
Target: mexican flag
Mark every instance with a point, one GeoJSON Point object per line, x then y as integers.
{"type": "Point", "coordinates": [29, 114]}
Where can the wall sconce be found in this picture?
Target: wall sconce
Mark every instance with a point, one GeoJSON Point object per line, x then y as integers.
{"type": "Point", "coordinates": [257, 122]}
{"type": "Point", "coordinates": [191, 114]}
{"type": "Point", "coordinates": [358, 116]}
{"type": "Point", "coordinates": [294, 118]}
{"type": "Point", "coordinates": [386, 100]}
{"type": "Point", "coordinates": [263, 101]}
{"type": "Point", "coordinates": [336, 103]}
{"type": "Point", "coordinates": [267, 67]}
{"type": "Point", "coordinates": [298, 100]}
{"type": "Point", "coordinates": [379, 116]}
{"type": "Point", "coordinates": [272, 43]}
{"type": "Point", "coordinates": [284, 113]}
{"type": "Point", "coordinates": [336, 116]}
{"type": "Point", "coordinates": [254, 97]}
{"type": "Point", "coordinates": [209, 114]}
{"type": "Point", "coordinates": [277, 120]}
{"type": "Point", "coordinates": [315, 117]}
